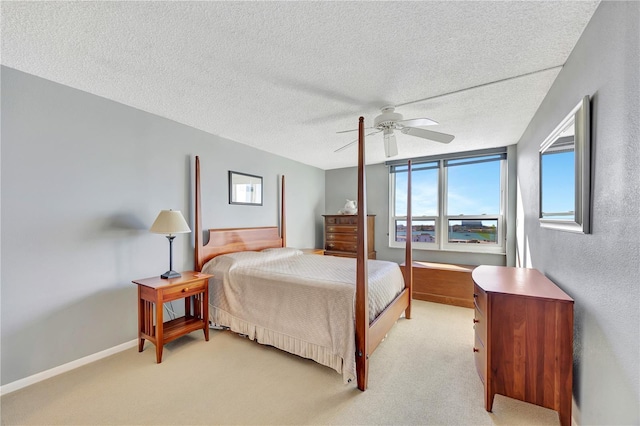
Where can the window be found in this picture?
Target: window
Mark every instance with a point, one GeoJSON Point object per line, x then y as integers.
{"type": "Point", "coordinates": [458, 202]}
{"type": "Point", "coordinates": [424, 207]}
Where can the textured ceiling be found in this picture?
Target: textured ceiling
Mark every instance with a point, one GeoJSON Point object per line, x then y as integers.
{"type": "Point", "coordinates": [284, 77]}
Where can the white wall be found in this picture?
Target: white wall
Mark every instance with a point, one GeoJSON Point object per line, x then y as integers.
{"type": "Point", "coordinates": [600, 271]}
{"type": "Point", "coordinates": [83, 178]}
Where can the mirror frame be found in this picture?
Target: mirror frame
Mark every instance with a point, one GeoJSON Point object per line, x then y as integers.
{"type": "Point", "coordinates": [232, 182]}
{"type": "Point", "coordinates": [582, 154]}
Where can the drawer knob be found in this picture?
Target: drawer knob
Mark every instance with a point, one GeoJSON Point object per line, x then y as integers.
{"type": "Point", "coordinates": [476, 350]}
{"type": "Point", "coordinates": [475, 295]}
{"type": "Point", "coordinates": [184, 290]}
{"type": "Point", "coordinates": [475, 321]}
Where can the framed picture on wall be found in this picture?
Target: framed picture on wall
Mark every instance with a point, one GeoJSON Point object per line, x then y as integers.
{"type": "Point", "coordinates": [245, 189]}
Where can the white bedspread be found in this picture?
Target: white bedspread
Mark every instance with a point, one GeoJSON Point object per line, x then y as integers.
{"type": "Point", "coordinates": [303, 304]}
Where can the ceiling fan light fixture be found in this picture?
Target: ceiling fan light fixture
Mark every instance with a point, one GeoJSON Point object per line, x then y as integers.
{"type": "Point", "coordinates": [390, 145]}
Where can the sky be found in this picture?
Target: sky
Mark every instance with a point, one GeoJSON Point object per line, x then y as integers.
{"type": "Point", "coordinates": [558, 182]}
{"type": "Point", "coordinates": [473, 189]}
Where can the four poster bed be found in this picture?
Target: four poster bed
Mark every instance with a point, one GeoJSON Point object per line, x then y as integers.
{"type": "Point", "coordinates": [308, 305]}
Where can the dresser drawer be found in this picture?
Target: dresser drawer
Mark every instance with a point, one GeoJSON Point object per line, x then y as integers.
{"type": "Point", "coordinates": [341, 246]}
{"type": "Point", "coordinates": [480, 326]}
{"type": "Point", "coordinates": [341, 220]}
{"type": "Point", "coordinates": [480, 299]}
{"type": "Point", "coordinates": [342, 229]}
{"type": "Point", "coordinates": [480, 358]}
{"type": "Point", "coordinates": [184, 290]}
{"type": "Point", "coordinates": [345, 238]}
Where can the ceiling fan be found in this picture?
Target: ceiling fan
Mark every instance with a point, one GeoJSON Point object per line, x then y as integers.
{"type": "Point", "coordinates": [390, 120]}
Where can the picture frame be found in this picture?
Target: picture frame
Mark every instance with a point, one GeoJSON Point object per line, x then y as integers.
{"type": "Point", "coordinates": [245, 189]}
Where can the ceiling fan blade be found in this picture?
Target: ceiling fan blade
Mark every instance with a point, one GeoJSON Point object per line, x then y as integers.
{"type": "Point", "coordinates": [427, 134]}
{"type": "Point", "coordinates": [353, 142]}
{"type": "Point", "coordinates": [346, 146]}
{"type": "Point", "coordinates": [354, 130]}
{"type": "Point", "coordinates": [417, 122]}
{"type": "Point", "coordinates": [390, 145]}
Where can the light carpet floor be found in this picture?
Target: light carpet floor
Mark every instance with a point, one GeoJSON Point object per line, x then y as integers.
{"type": "Point", "coordinates": [423, 373]}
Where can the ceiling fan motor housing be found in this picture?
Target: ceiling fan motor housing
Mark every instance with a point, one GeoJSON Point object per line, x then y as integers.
{"type": "Point", "coordinates": [387, 119]}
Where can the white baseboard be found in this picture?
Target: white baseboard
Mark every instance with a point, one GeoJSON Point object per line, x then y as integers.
{"type": "Point", "coordinates": [575, 413]}
{"type": "Point", "coordinates": [19, 384]}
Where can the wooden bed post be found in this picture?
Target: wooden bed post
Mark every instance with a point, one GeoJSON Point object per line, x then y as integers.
{"type": "Point", "coordinates": [362, 293]}
{"type": "Point", "coordinates": [198, 218]}
{"type": "Point", "coordinates": [408, 253]}
{"type": "Point", "coordinates": [283, 218]}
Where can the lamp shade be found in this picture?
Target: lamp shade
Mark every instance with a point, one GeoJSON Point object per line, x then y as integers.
{"type": "Point", "coordinates": [170, 222]}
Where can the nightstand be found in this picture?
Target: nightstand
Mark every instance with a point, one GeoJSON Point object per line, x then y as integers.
{"type": "Point", "coordinates": [193, 287]}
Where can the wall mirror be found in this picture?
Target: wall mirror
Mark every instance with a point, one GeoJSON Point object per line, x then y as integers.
{"type": "Point", "coordinates": [245, 189]}
{"type": "Point", "coordinates": [565, 173]}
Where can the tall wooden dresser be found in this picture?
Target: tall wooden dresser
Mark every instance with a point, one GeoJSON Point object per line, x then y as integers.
{"type": "Point", "coordinates": [523, 338]}
{"type": "Point", "coordinates": [341, 235]}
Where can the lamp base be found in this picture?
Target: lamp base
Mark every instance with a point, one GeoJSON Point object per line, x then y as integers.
{"type": "Point", "coordinates": [170, 274]}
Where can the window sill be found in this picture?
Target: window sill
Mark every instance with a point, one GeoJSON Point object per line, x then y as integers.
{"type": "Point", "coordinates": [496, 251]}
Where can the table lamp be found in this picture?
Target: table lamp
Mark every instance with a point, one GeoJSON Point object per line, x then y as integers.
{"type": "Point", "coordinates": [170, 222]}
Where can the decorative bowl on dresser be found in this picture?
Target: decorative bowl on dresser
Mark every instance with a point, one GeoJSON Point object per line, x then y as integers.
{"type": "Point", "coordinates": [341, 235]}
{"type": "Point", "coordinates": [523, 338]}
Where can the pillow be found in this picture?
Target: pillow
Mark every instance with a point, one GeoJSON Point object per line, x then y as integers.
{"type": "Point", "coordinates": [280, 252]}
{"type": "Point", "coordinates": [228, 261]}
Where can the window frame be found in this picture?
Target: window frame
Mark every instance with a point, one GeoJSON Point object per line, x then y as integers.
{"type": "Point", "coordinates": [442, 219]}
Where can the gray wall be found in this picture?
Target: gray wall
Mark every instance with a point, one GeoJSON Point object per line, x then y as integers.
{"type": "Point", "coordinates": [342, 184]}
{"type": "Point", "coordinates": [83, 178]}
{"type": "Point", "coordinates": [601, 270]}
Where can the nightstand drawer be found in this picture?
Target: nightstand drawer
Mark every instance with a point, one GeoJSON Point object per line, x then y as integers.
{"type": "Point", "coordinates": [185, 290]}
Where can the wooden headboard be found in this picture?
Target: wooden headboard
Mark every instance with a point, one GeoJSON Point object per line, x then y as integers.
{"type": "Point", "coordinates": [223, 241]}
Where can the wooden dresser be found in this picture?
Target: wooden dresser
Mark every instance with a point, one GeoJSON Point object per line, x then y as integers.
{"type": "Point", "coordinates": [340, 235]}
{"type": "Point", "coordinates": [523, 338]}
